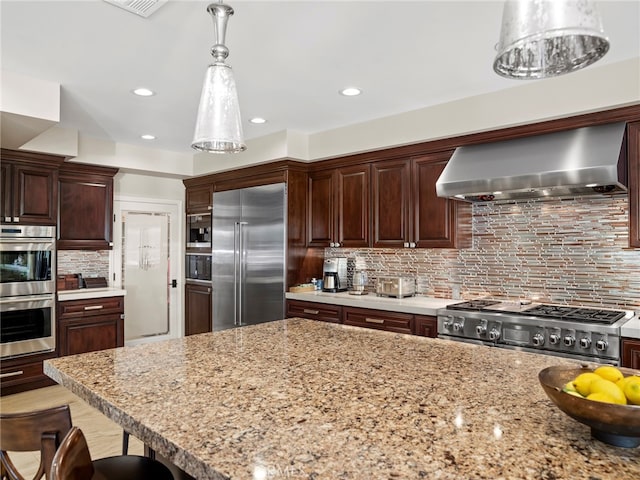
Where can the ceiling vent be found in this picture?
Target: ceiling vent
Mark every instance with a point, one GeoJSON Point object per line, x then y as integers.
{"type": "Point", "coordinates": [144, 8]}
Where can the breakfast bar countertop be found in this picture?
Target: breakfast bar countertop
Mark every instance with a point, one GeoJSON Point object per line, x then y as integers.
{"type": "Point", "coordinates": [301, 399]}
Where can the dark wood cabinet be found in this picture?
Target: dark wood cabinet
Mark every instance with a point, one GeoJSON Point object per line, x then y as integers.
{"type": "Point", "coordinates": [391, 185]}
{"type": "Point", "coordinates": [407, 210]}
{"type": "Point", "coordinates": [437, 222]}
{"type": "Point", "coordinates": [631, 353]}
{"type": "Point", "coordinates": [338, 207]}
{"type": "Point", "coordinates": [199, 198]}
{"type": "Point", "coordinates": [90, 325]}
{"type": "Point", "coordinates": [425, 326]}
{"type": "Point", "coordinates": [198, 309]}
{"type": "Point", "coordinates": [24, 373]}
{"type": "Point", "coordinates": [378, 319]}
{"type": "Point", "coordinates": [29, 187]}
{"type": "Point", "coordinates": [314, 311]}
{"type": "Point", "coordinates": [86, 207]}
{"type": "Point", "coordinates": [633, 157]}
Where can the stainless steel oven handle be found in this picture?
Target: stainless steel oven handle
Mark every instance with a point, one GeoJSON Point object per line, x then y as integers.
{"type": "Point", "coordinates": [11, 374]}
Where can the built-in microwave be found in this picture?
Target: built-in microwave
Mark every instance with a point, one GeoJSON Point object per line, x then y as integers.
{"type": "Point", "coordinates": [199, 230]}
{"type": "Point", "coordinates": [198, 267]}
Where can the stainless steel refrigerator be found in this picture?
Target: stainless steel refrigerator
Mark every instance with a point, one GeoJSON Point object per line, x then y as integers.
{"type": "Point", "coordinates": [248, 262]}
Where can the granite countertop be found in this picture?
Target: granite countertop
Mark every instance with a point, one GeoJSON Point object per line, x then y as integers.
{"type": "Point", "coordinates": [631, 329]}
{"type": "Point", "coordinates": [300, 399]}
{"type": "Point", "coordinates": [87, 293]}
{"type": "Point", "coordinates": [416, 305]}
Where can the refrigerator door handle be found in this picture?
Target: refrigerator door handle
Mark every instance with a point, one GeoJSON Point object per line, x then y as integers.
{"type": "Point", "coordinates": [236, 249]}
{"type": "Point", "coordinates": [241, 270]}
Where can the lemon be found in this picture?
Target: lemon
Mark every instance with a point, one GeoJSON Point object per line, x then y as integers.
{"type": "Point", "coordinates": [569, 387]}
{"type": "Point", "coordinates": [600, 397]}
{"type": "Point", "coordinates": [611, 389]}
{"type": "Point", "coordinates": [632, 390]}
{"type": "Point", "coordinates": [609, 373]}
{"type": "Point", "coordinates": [583, 382]}
{"type": "Point", "coordinates": [573, 392]}
{"type": "Point", "coordinates": [623, 381]}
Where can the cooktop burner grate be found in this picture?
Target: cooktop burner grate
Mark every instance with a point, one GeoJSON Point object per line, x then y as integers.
{"type": "Point", "coordinates": [586, 315]}
{"type": "Point", "coordinates": [473, 305]}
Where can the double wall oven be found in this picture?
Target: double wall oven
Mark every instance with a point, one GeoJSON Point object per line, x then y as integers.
{"type": "Point", "coordinates": [27, 290]}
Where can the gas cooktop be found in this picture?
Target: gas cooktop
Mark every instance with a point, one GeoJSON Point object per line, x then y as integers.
{"type": "Point", "coordinates": [562, 312]}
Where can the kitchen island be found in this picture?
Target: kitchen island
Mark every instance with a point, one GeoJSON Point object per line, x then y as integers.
{"type": "Point", "coordinates": [302, 399]}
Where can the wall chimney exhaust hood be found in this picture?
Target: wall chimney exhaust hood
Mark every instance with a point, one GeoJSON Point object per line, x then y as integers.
{"type": "Point", "coordinates": [583, 161]}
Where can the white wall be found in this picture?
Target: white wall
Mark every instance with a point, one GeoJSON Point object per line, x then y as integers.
{"type": "Point", "coordinates": [129, 184]}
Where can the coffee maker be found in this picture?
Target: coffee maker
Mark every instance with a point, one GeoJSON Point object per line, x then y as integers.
{"type": "Point", "coordinates": [334, 275]}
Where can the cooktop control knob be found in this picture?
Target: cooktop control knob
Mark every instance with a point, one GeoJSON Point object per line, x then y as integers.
{"type": "Point", "coordinates": [494, 334]}
{"type": "Point", "coordinates": [458, 326]}
{"type": "Point", "coordinates": [554, 339]}
{"type": "Point", "coordinates": [448, 322]}
{"type": "Point", "coordinates": [538, 339]}
{"type": "Point", "coordinates": [569, 341]}
{"type": "Point", "coordinates": [481, 330]}
{"type": "Point", "coordinates": [585, 343]}
{"type": "Point", "coordinates": [601, 345]}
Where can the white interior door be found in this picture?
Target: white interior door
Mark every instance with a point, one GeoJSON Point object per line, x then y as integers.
{"type": "Point", "coordinates": [147, 246]}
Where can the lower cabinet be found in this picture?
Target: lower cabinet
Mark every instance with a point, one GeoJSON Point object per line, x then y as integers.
{"type": "Point", "coordinates": [631, 353]}
{"type": "Point", "coordinates": [380, 320]}
{"type": "Point", "coordinates": [90, 325]}
{"type": "Point", "coordinates": [198, 309]}
{"type": "Point", "coordinates": [25, 373]}
{"type": "Point", "coordinates": [314, 311]}
{"type": "Point", "coordinates": [425, 326]}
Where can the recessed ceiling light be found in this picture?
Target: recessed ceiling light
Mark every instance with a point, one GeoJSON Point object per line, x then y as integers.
{"type": "Point", "coordinates": [143, 92]}
{"type": "Point", "coordinates": [350, 92]}
{"type": "Point", "coordinates": [591, 185]}
{"type": "Point", "coordinates": [258, 120]}
{"type": "Point", "coordinates": [148, 137]}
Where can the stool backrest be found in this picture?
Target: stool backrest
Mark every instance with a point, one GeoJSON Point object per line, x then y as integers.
{"type": "Point", "coordinates": [41, 430]}
{"type": "Point", "coordinates": [72, 461]}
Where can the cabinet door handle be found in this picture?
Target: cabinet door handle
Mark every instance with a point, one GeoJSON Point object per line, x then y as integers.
{"type": "Point", "coordinates": [94, 307]}
{"type": "Point", "coordinates": [11, 374]}
{"type": "Point", "coordinates": [312, 312]}
{"type": "Point", "coordinates": [379, 321]}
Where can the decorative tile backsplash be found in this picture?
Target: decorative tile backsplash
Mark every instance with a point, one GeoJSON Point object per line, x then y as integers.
{"type": "Point", "coordinates": [87, 262]}
{"type": "Point", "coordinates": [569, 251]}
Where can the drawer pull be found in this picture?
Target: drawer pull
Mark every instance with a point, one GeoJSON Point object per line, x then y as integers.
{"type": "Point", "coordinates": [379, 321]}
{"type": "Point", "coordinates": [94, 307]}
{"type": "Point", "coordinates": [11, 374]}
{"type": "Point", "coordinates": [312, 312]}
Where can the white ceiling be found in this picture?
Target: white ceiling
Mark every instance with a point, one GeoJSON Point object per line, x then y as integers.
{"type": "Point", "coordinates": [289, 58]}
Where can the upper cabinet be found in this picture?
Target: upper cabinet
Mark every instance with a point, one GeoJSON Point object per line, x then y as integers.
{"type": "Point", "coordinates": [338, 207]}
{"type": "Point", "coordinates": [199, 198]}
{"type": "Point", "coordinates": [437, 222]}
{"type": "Point", "coordinates": [391, 185]}
{"type": "Point", "coordinates": [29, 187]}
{"type": "Point", "coordinates": [406, 210]}
{"type": "Point", "coordinates": [633, 157]}
{"type": "Point", "coordinates": [86, 207]}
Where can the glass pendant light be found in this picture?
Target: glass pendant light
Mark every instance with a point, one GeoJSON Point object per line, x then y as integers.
{"type": "Point", "coordinates": [218, 125]}
{"type": "Point", "coordinates": [546, 38]}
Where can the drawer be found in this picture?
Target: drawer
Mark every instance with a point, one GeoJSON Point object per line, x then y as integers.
{"type": "Point", "coordinates": [94, 306]}
{"type": "Point", "coordinates": [380, 320]}
{"type": "Point", "coordinates": [314, 311]}
{"type": "Point", "coordinates": [18, 377]}
{"type": "Point", "coordinates": [426, 326]}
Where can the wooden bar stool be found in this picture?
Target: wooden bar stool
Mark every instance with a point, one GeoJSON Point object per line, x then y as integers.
{"type": "Point", "coordinates": [41, 430]}
{"type": "Point", "coordinates": [73, 461]}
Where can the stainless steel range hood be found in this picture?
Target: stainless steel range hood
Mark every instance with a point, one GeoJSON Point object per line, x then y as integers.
{"type": "Point", "coordinates": [584, 161]}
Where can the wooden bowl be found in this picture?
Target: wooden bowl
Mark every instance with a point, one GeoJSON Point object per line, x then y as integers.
{"type": "Point", "coordinates": [617, 425]}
